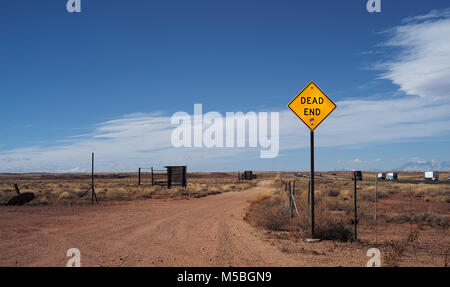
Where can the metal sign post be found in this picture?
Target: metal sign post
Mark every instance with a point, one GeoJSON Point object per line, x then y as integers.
{"type": "Point", "coordinates": [355, 209]}
{"type": "Point", "coordinates": [312, 107]}
{"type": "Point", "coordinates": [376, 207]}
{"type": "Point", "coordinates": [312, 184]}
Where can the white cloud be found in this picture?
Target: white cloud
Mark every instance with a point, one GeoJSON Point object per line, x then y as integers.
{"type": "Point", "coordinates": [122, 144]}
{"type": "Point", "coordinates": [420, 69]}
{"type": "Point", "coordinates": [423, 67]}
{"type": "Point", "coordinates": [369, 121]}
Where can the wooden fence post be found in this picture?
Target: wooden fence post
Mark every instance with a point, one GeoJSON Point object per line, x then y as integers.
{"type": "Point", "coordinates": [153, 179]}
{"type": "Point", "coordinates": [291, 204]}
{"type": "Point", "coordinates": [16, 187]}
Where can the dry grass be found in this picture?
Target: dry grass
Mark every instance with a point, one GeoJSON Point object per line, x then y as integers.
{"type": "Point", "coordinates": [393, 251]}
{"type": "Point", "coordinates": [68, 189]}
{"type": "Point", "coordinates": [400, 220]}
{"type": "Point", "coordinates": [271, 211]}
{"type": "Point", "coordinates": [334, 205]}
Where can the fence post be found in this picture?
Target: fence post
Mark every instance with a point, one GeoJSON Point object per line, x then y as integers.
{"type": "Point", "coordinates": [411, 235]}
{"type": "Point", "coordinates": [294, 205]}
{"type": "Point", "coordinates": [290, 200]}
{"type": "Point", "coordinates": [93, 195]}
{"type": "Point", "coordinates": [16, 187]}
{"type": "Point", "coordinates": [139, 176]}
{"type": "Point", "coordinates": [153, 180]}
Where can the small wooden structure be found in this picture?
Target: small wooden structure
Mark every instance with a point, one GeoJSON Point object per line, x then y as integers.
{"type": "Point", "coordinates": [248, 175]}
{"type": "Point", "coordinates": [172, 176]}
{"type": "Point", "coordinates": [176, 175]}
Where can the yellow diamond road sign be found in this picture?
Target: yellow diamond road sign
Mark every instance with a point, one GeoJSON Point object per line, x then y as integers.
{"type": "Point", "coordinates": [312, 106]}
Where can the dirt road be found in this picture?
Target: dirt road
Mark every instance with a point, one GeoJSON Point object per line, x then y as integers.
{"type": "Point", "coordinates": [208, 231]}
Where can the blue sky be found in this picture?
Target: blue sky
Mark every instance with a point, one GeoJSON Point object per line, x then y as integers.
{"type": "Point", "coordinates": [109, 78]}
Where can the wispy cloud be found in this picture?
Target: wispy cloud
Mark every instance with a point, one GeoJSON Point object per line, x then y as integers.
{"type": "Point", "coordinates": [121, 144]}
{"type": "Point", "coordinates": [420, 68]}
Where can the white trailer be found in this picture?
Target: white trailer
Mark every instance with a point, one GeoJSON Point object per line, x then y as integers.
{"type": "Point", "coordinates": [381, 176]}
{"type": "Point", "coordinates": [431, 175]}
{"type": "Point", "coordinates": [391, 176]}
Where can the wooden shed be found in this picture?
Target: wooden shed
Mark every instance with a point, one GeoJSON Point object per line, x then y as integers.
{"type": "Point", "coordinates": [248, 175]}
{"type": "Point", "coordinates": [176, 176]}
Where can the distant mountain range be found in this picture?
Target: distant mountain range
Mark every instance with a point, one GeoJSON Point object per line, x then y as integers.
{"type": "Point", "coordinates": [426, 165]}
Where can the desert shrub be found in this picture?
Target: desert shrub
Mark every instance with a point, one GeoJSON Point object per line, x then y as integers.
{"type": "Point", "coordinates": [444, 199]}
{"type": "Point", "coordinates": [5, 196]}
{"type": "Point", "coordinates": [339, 205]}
{"type": "Point", "coordinates": [213, 190]}
{"type": "Point", "coordinates": [393, 250]}
{"type": "Point", "coordinates": [65, 195]}
{"type": "Point", "coordinates": [79, 193]}
{"type": "Point", "coordinates": [269, 212]}
{"type": "Point", "coordinates": [264, 195]}
{"type": "Point", "coordinates": [333, 193]}
{"type": "Point", "coordinates": [115, 194]}
{"type": "Point", "coordinates": [366, 196]}
{"type": "Point", "coordinates": [400, 218]}
{"type": "Point", "coordinates": [434, 220]}
{"type": "Point", "coordinates": [43, 200]}
{"type": "Point", "coordinates": [331, 228]}
{"type": "Point", "coordinates": [383, 194]}
{"type": "Point", "coordinates": [431, 219]}
{"type": "Point", "coordinates": [276, 218]}
{"type": "Point", "coordinates": [420, 193]}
